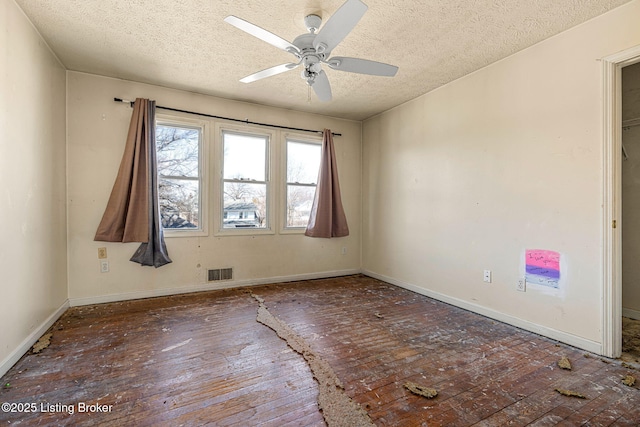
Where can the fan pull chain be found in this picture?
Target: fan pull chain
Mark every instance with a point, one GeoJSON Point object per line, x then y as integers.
{"type": "Point", "coordinates": [308, 93]}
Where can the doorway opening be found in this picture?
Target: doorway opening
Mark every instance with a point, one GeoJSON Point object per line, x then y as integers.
{"type": "Point", "coordinates": [630, 95]}
{"type": "Point", "coordinates": [614, 295]}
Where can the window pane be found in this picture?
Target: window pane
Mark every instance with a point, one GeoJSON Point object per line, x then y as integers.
{"type": "Point", "coordinates": [178, 155]}
{"type": "Point", "coordinates": [245, 205]}
{"type": "Point", "coordinates": [179, 203]}
{"type": "Point", "coordinates": [245, 157]}
{"type": "Point", "coordinates": [299, 202]}
{"type": "Point", "coordinates": [303, 162]}
{"type": "Point", "coordinates": [177, 151]}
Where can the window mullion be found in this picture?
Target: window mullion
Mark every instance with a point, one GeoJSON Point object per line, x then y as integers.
{"type": "Point", "coordinates": [301, 184]}
{"type": "Point", "coordinates": [244, 181]}
{"type": "Point", "coordinates": [185, 178]}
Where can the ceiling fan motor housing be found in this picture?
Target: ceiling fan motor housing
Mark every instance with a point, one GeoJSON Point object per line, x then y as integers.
{"type": "Point", "coordinates": [304, 43]}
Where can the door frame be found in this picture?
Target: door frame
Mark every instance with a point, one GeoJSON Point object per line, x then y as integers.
{"type": "Point", "coordinates": [612, 198]}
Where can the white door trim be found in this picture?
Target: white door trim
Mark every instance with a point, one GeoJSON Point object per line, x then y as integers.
{"type": "Point", "coordinates": [612, 198]}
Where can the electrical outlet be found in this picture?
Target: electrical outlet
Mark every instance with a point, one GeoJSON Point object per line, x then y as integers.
{"type": "Point", "coordinates": [487, 276]}
{"type": "Point", "coordinates": [104, 266]}
{"type": "Point", "coordinates": [522, 285]}
{"type": "Point", "coordinates": [102, 253]}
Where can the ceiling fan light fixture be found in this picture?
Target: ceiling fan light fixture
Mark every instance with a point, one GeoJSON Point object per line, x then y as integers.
{"type": "Point", "coordinates": [308, 75]}
{"type": "Point", "coordinates": [315, 67]}
{"type": "Point", "coordinates": [310, 60]}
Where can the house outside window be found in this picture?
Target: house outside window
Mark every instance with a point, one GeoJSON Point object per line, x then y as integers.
{"type": "Point", "coordinates": [245, 181]}
{"type": "Point", "coordinates": [303, 164]}
{"type": "Point", "coordinates": [179, 151]}
{"type": "Point", "coordinates": [241, 215]}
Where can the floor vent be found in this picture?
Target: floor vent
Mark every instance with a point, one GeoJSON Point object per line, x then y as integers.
{"type": "Point", "coordinates": [220, 274]}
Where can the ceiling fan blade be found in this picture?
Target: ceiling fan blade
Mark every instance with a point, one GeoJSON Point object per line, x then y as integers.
{"type": "Point", "coordinates": [261, 33]}
{"type": "Point", "coordinates": [269, 72]}
{"type": "Point", "coordinates": [362, 66]}
{"type": "Point", "coordinates": [339, 25]}
{"type": "Point", "coordinates": [321, 86]}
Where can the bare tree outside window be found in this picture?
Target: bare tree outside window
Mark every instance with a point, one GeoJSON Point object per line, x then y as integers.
{"type": "Point", "coordinates": [303, 164]}
{"type": "Point", "coordinates": [178, 158]}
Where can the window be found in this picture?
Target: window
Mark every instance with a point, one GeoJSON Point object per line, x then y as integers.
{"type": "Point", "coordinates": [180, 182]}
{"type": "Point", "coordinates": [245, 178]}
{"type": "Point", "coordinates": [303, 164]}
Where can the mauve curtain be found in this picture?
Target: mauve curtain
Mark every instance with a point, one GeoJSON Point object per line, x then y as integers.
{"type": "Point", "coordinates": [327, 218]}
{"type": "Point", "coordinates": [133, 213]}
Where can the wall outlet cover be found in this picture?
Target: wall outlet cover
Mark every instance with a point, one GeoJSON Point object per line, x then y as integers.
{"type": "Point", "coordinates": [487, 276]}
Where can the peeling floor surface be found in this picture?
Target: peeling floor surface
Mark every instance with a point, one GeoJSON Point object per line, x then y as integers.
{"type": "Point", "coordinates": [338, 409]}
{"type": "Point", "coordinates": [205, 359]}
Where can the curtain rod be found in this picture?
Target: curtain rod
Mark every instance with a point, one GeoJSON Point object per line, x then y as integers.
{"type": "Point", "coordinates": [246, 121]}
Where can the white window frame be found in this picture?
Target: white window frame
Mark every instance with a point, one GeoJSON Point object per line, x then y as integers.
{"type": "Point", "coordinates": [269, 136]}
{"type": "Point", "coordinates": [303, 139]}
{"type": "Point", "coordinates": [203, 174]}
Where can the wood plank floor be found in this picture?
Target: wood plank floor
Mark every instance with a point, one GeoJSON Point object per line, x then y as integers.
{"type": "Point", "coordinates": [203, 359]}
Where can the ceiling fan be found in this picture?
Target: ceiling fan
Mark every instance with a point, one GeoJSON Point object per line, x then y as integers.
{"type": "Point", "coordinates": [314, 48]}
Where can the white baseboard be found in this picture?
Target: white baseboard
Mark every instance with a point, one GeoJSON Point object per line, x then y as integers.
{"type": "Point", "coordinates": [632, 314]}
{"type": "Point", "coordinates": [209, 286]}
{"type": "Point", "coordinates": [554, 334]}
{"type": "Point", "coordinates": [28, 342]}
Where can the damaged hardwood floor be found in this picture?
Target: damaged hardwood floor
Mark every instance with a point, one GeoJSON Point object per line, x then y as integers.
{"type": "Point", "coordinates": [203, 358]}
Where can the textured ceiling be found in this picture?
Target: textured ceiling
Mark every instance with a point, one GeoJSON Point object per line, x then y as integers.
{"type": "Point", "coordinates": [185, 44]}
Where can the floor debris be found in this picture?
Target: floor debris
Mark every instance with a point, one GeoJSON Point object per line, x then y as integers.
{"type": "Point", "coordinates": [427, 392]}
{"type": "Point", "coordinates": [177, 345]}
{"type": "Point", "coordinates": [571, 393]}
{"type": "Point", "coordinates": [629, 380]}
{"type": "Point", "coordinates": [337, 408]}
{"type": "Point", "coordinates": [564, 363]}
{"type": "Point", "coordinates": [631, 340]}
{"type": "Point", "coordinates": [42, 343]}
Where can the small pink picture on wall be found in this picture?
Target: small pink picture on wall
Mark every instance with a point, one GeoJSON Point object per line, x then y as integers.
{"type": "Point", "coordinates": [542, 267]}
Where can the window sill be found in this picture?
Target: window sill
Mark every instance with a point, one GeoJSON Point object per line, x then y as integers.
{"type": "Point", "coordinates": [170, 234]}
{"type": "Point", "coordinates": [243, 232]}
{"type": "Point", "coordinates": [293, 230]}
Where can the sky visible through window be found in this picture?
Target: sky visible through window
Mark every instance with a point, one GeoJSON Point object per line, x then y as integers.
{"type": "Point", "coordinates": [303, 162]}
{"type": "Point", "coordinates": [244, 157]}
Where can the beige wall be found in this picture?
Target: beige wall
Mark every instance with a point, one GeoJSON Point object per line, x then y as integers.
{"type": "Point", "coordinates": [32, 171]}
{"type": "Point", "coordinates": [509, 158]}
{"type": "Point", "coordinates": [96, 135]}
{"type": "Point", "coordinates": [631, 193]}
